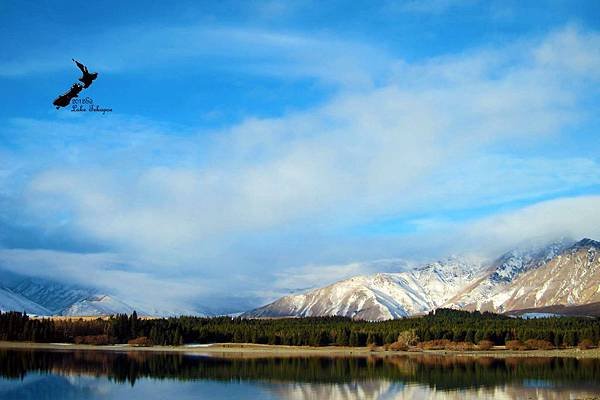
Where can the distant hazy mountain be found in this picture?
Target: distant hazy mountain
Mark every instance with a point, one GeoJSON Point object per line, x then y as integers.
{"type": "Point", "coordinates": [11, 301]}
{"type": "Point", "coordinates": [562, 272]}
{"type": "Point", "coordinates": [53, 296]}
{"type": "Point", "coordinates": [45, 297]}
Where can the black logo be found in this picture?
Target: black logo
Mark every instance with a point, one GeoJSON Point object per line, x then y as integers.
{"type": "Point", "coordinates": [86, 79]}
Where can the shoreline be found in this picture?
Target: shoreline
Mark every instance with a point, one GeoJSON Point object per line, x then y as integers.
{"type": "Point", "coordinates": [263, 350]}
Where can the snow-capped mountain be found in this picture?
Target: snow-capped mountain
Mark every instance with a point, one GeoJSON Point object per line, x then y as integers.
{"type": "Point", "coordinates": [99, 305]}
{"type": "Point", "coordinates": [488, 293]}
{"type": "Point", "coordinates": [380, 296]}
{"type": "Point", "coordinates": [570, 278]}
{"type": "Point", "coordinates": [11, 301]}
{"type": "Point", "coordinates": [562, 272]}
{"type": "Point", "coordinates": [517, 261]}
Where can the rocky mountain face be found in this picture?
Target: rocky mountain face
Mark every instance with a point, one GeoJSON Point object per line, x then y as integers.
{"type": "Point", "coordinates": [488, 293]}
{"type": "Point", "coordinates": [560, 273]}
{"type": "Point", "coordinates": [570, 278]}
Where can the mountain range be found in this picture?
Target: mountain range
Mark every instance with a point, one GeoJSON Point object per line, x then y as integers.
{"type": "Point", "coordinates": [561, 273]}
{"type": "Point", "coordinates": [43, 297]}
{"type": "Point", "coordinates": [562, 277]}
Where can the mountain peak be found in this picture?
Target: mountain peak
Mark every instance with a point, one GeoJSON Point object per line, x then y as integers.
{"type": "Point", "coordinates": [586, 242]}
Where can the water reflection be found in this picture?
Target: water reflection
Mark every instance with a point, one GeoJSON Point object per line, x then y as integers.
{"type": "Point", "coordinates": [144, 375]}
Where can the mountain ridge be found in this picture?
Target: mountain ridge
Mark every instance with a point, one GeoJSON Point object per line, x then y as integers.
{"type": "Point", "coordinates": [513, 280]}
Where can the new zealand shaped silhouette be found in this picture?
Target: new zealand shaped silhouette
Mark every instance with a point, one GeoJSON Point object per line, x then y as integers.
{"type": "Point", "coordinates": [87, 78]}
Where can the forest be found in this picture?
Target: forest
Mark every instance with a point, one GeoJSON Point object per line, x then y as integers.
{"type": "Point", "coordinates": [443, 325]}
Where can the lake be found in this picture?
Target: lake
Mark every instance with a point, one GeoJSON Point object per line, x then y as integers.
{"type": "Point", "coordinates": [37, 374]}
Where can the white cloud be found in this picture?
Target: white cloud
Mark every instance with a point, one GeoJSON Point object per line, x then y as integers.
{"type": "Point", "coordinates": [572, 217]}
{"type": "Point", "coordinates": [432, 137]}
{"type": "Point", "coordinates": [481, 239]}
{"type": "Point", "coordinates": [571, 50]}
{"type": "Point", "coordinates": [111, 273]}
{"type": "Point", "coordinates": [368, 153]}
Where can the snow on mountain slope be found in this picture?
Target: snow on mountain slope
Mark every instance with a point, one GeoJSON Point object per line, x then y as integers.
{"type": "Point", "coordinates": [489, 293]}
{"type": "Point", "coordinates": [570, 278]}
{"type": "Point", "coordinates": [515, 262]}
{"type": "Point", "coordinates": [99, 305]}
{"type": "Point", "coordinates": [381, 296]}
{"type": "Point", "coordinates": [10, 301]}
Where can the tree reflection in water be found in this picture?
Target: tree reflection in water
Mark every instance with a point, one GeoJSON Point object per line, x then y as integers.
{"type": "Point", "coordinates": [420, 376]}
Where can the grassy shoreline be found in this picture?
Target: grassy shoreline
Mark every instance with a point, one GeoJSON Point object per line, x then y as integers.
{"type": "Point", "coordinates": [258, 350]}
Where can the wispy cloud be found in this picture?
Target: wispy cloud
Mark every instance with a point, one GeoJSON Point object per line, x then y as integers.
{"type": "Point", "coordinates": [572, 217]}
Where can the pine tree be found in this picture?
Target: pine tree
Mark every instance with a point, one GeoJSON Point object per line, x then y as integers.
{"type": "Point", "coordinates": [134, 325]}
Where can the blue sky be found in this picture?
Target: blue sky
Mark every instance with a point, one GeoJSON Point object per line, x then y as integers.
{"type": "Point", "coordinates": [256, 147]}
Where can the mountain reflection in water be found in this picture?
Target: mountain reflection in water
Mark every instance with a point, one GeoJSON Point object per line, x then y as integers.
{"type": "Point", "coordinates": [33, 374]}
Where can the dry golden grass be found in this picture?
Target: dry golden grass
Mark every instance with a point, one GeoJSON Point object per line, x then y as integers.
{"type": "Point", "coordinates": [83, 318]}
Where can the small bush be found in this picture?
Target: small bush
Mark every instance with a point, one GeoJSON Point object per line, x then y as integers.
{"type": "Point", "coordinates": [485, 345]}
{"type": "Point", "coordinates": [539, 344]}
{"type": "Point", "coordinates": [141, 341]}
{"type": "Point", "coordinates": [585, 344]}
{"type": "Point", "coordinates": [516, 345]}
{"type": "Point", "coordinates": [92, 339]}
{"type": "Point", "coordinates": [397, 346]}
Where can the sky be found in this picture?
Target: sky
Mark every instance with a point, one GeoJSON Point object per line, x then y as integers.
{"type": "Point", "coordinates": [256, 148]}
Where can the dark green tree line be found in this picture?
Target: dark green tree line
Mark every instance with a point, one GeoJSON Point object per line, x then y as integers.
{"type": "Point", "coordinates": [453, 325]}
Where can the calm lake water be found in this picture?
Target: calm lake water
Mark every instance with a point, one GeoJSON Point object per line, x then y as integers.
{"type": "Point", "coordinates": [39, 375]}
